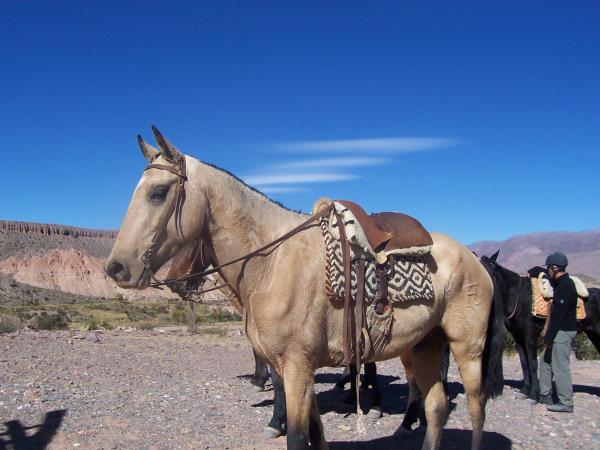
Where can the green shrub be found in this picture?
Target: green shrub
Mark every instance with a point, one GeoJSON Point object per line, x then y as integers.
{"type": "Point", "coordinates": [218, 314]}
{"type": "Point", "coordinates": [94, 324]}
{"type": "Point", "coordinates": [91, 324]}
{"type": "Point", "coordinates": [10, 323]}
{"type": "Point", "coordinates": [146, 326]}
{"type": "Point", "coordinates": [219, 331]}
{"type": "Point", "coordinates": [58, 321]}
{"type": "Point", "coordinates": [106, 325]}
{"type": "Point", "coordinates": [178, 316]}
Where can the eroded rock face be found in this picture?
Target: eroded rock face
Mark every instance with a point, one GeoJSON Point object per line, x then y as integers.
{"type": "Point", "coordinates": [71, 271]}
{"type": "Point", "coordinates": [51, 229]}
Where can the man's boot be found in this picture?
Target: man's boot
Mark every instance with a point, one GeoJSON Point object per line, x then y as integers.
{"type": "Point", "coordinates": [559, 407]}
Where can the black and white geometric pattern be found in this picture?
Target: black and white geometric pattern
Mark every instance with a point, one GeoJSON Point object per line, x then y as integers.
{"type": "Point", "coordinates": [409, 280]}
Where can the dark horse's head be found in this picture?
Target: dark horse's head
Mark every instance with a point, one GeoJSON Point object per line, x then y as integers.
{"type": "Point", "coordinates": [506, 282]}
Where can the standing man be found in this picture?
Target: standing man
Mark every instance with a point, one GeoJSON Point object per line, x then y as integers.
{"type": "Point", "coordinates": [555, 359]}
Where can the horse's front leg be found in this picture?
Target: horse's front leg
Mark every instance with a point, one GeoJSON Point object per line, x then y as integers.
{"type": "Point", "coordinates": [534, 382]}
{"type": "Point", "coordinates": [526, 384]}
{"type": "Point", "coordinates": [303, 418]}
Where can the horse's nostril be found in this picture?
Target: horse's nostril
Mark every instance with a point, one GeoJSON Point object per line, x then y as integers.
{"type": "Point", "coordinates": [116, 270]}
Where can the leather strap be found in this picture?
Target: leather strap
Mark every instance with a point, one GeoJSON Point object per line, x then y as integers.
{"type": "Point", "coordinates": [175, 207]}
{"type": "Point", "coordinates": [348, 328]}
{"type": "Point", "coordinates": [359, 319]}
{"type": "Point", "coordinates": [256, 252]}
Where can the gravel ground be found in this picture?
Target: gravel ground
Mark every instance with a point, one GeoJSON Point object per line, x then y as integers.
{"type": "Point", "coordinates": [171, 390]}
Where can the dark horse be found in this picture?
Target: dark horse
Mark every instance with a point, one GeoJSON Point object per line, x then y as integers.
{"type": "Point", "coordinates": [515, 295]}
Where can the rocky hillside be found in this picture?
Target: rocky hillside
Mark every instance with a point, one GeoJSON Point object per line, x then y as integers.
{"type": "Point", "coordinates": [525, 251]}
{"type": "Point", "coordinates": [57, 258]}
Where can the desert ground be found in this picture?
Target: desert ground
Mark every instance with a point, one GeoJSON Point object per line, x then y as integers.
{"type": "Point", "coordinates": [168, 389]}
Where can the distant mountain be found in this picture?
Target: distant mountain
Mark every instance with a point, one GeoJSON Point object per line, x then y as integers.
{"type": "Point", "coordinates": [56, 263]}
{"type": "Point", "coordinates": [522, 252]}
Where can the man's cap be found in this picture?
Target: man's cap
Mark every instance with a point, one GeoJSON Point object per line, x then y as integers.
{"type": "Point", "coordinates": [557, 259]}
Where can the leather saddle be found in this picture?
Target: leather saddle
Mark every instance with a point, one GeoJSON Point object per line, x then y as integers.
{"type": "Point", "coordinates": [390, 232]}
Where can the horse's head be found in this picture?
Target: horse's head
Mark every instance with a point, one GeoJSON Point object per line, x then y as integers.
{"type": "Point", "coordinates": [505, 280]}
{"type": "Point", "coordinates": [165, 214]}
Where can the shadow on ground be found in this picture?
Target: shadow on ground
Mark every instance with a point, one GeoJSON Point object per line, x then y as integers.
{"type": "Point", "coordinates": [16, 437]}
{"type": "Point", "coordinates": [592, 390]}
{"type": "Point", "coordinates": [451, 439]}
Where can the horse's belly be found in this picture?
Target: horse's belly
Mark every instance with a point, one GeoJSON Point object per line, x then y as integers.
{"type": "Point", "coordinates": [409, 326]}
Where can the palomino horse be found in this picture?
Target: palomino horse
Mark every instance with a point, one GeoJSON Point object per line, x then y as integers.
{"type": "Point", "coordinates": [288, 317]}
{"type": "Point", "coordinates": [515, 294]}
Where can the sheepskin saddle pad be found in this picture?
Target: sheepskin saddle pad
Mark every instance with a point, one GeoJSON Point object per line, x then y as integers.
{"type": "Point", "coordinates": [542, 293]}
{"type": "Point", "coordinates": [400, 244]}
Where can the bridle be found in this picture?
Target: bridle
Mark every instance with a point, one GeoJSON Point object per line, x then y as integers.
{"type": "Point", "coordinates": [176, 206]}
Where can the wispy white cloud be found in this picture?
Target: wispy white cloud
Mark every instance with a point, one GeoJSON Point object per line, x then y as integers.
{"type": "Point", "coordinates": [383, 145]}
{"type": "Point", "coordinates": [328, 163]}
{"type": "Point", "coordinates": [346, 155]}
{"type": "Point", "coordinates": [282, 189]}
{"type": "Point", "coordinates": [292, 178]}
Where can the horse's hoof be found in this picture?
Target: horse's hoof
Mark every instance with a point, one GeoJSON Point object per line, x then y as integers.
{"type": "Point", "coordinates": [375, 413]}
{"type": "Point", "coordinates": [520, 396]}
{"type": "Point", "coordinates": [272, 433]}
{"type": "Point", "coordinates": [532, 401]}
{"type": "Point", "coordinates": [257, 388]}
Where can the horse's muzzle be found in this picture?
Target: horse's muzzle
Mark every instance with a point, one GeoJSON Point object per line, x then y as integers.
{"type": "Point", "coordinates": [117, 271]}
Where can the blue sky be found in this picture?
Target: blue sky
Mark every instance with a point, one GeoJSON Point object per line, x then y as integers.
{"type": "Point", "coordinates": [480, 119]}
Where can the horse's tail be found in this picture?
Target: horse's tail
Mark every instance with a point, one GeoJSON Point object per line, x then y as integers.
{"type": "Point", "coordinates": [493, 380]}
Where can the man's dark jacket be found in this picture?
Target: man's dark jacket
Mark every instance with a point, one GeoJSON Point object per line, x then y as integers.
{"type": "Point", "coordinates": [564, 308]}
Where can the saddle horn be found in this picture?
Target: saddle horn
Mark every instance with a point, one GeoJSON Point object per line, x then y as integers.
{"type": "Point", "coordinates": [167, 150]}
{"type": "Point", "coordinates": [149, 152]}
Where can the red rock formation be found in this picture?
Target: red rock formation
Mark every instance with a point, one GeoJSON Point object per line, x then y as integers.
{"type": "Point", "coordinates": [70, 271]}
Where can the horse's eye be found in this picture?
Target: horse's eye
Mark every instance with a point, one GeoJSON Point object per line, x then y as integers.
{"type": "Point", "coordinates": [158, 194]}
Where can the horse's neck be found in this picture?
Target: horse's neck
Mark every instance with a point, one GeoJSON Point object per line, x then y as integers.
{"type": "Point", "coordinates": [241, 221]}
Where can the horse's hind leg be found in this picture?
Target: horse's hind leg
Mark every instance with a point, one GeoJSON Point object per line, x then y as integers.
{"type": "Point", "coordinates": [261, 372]}
{"type": "Point", "coordinates": [276, 426]}
{"type": "Point", "coordinates": [344, 380]}
{"type": "Point", "coordinates": [411, 415]}
{"type": "Point", "coordinates": [426, 363]}
{"type": "Point", "coordinates": [594, 337]}
{"type": "Point", "coordinates": [469, 365]}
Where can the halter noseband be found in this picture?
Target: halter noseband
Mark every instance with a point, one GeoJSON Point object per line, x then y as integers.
{"type": "Point", "coordinates": [175, 206]}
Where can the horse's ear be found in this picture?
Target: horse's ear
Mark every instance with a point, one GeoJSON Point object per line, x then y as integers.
{"type": "Point", "coordinates": [494, 257]}
{"type": "Point", "coordinates": [167, 150]}
{"type": "Point", "coordinates": [149, 152]}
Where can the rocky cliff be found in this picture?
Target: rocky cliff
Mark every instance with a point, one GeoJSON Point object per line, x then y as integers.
{"type": "Point", "coordinates": [70, 271]}
{"type": "Point", "coordinates": [51, 229]}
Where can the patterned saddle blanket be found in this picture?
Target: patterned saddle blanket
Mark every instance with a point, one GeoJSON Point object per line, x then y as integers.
{"type": "Point", "coordinates": [407, 273]}
{"type": "Point", "coordinates": [541, 293]}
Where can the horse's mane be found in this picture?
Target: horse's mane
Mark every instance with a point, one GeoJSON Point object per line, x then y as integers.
{"type": "Point", "coordinates": [262, 194]}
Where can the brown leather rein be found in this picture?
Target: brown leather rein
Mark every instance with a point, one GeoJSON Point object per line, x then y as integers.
{"type": "Point", "coordinates": [176, 207]}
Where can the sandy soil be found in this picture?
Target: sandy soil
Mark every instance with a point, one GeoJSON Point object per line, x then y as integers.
{"type": "Point", "coordinates": [171, 390]}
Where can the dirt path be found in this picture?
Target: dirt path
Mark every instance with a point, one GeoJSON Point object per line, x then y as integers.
{"type": "Point", "coordinates": [171, 390]}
